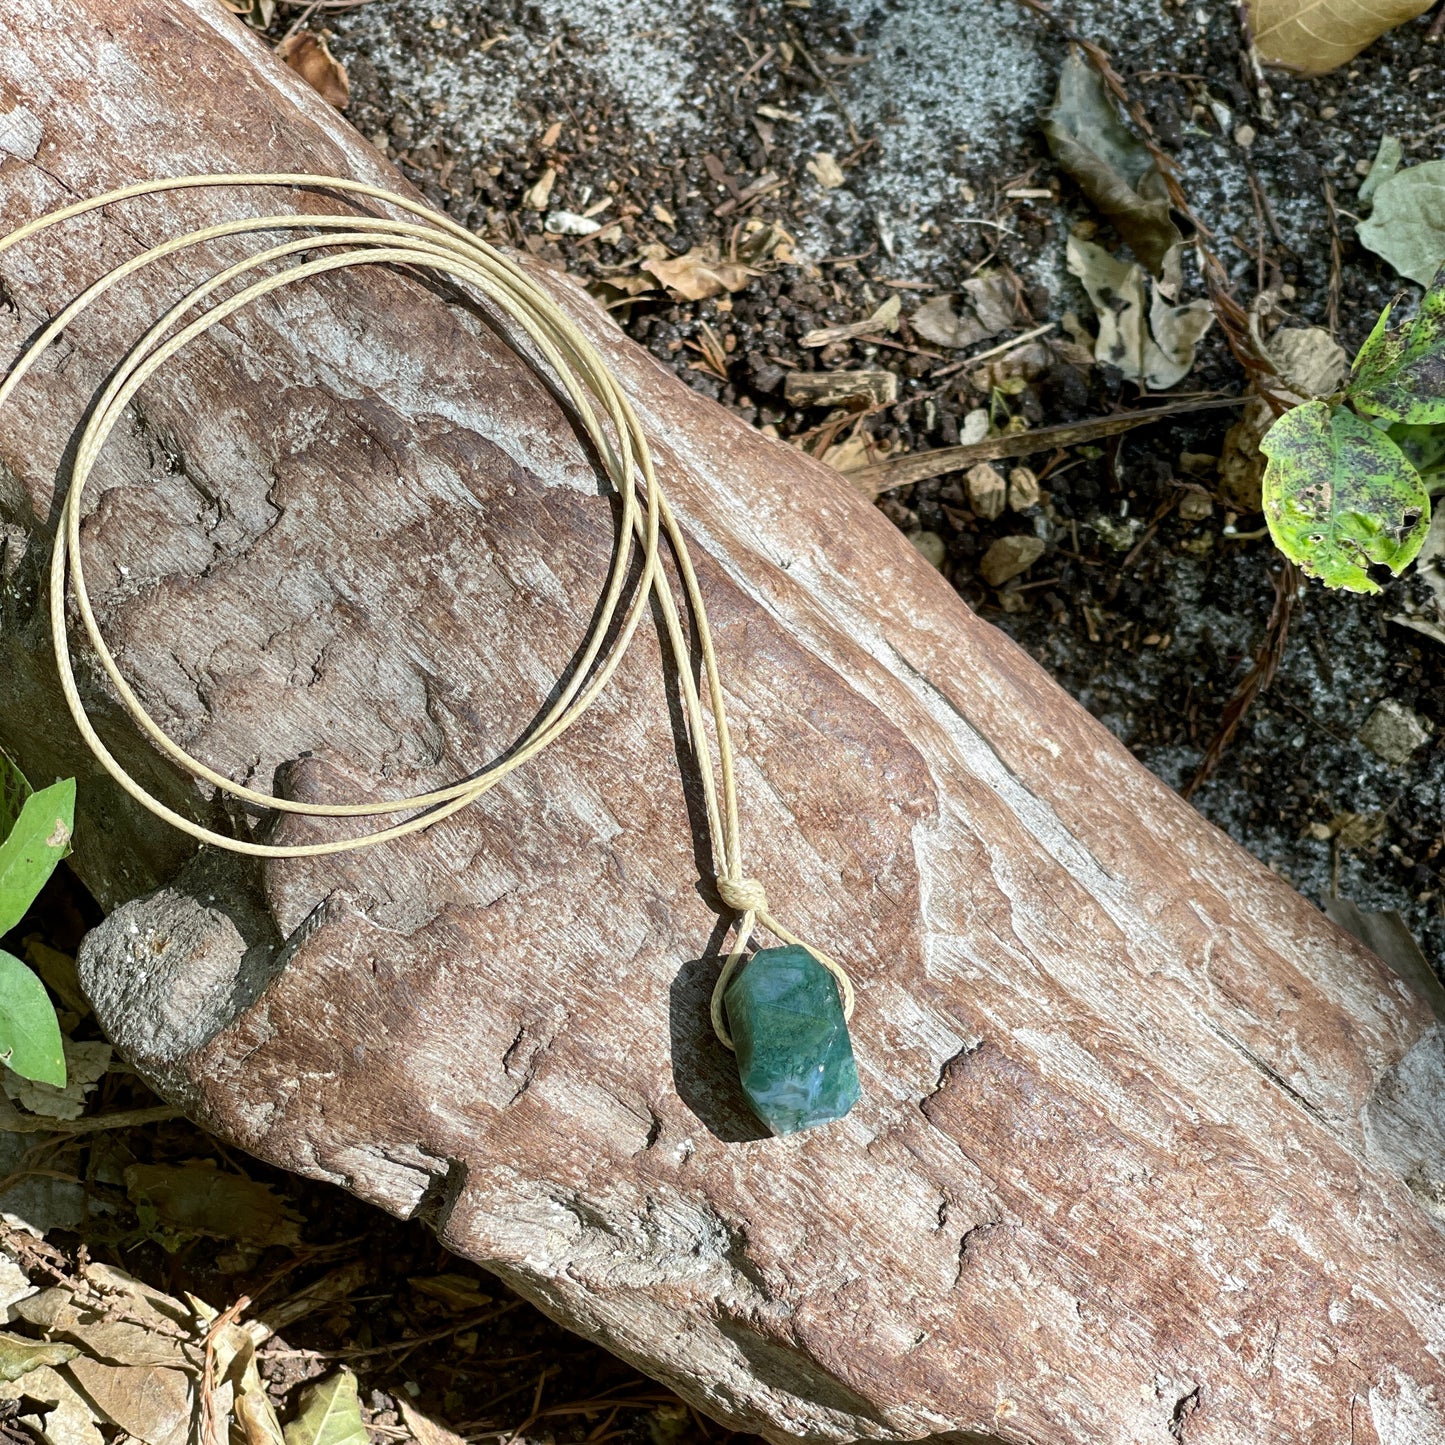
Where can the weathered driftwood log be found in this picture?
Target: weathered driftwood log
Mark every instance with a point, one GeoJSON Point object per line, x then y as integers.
{"type": "Point", "coordinates": [1149, 1150]}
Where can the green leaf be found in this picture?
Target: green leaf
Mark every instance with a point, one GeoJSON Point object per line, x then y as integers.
{"type": "Point", "coordinates": [19, 1355]}
{"type": "Point", "coordinates": [1407, 225]}
{"type": "Point", "coordinates": [1377, 359]}
{"type": "Point", "coordinates": [29, 1034]}
{"type": "Point", "coordinates": [1388, 156]}
{"type": "Point", "coordinates": [1424, 448]}
{"type": "Point", "coordinates": [37, 842]}
{"type": "Point", "coordinates": [1400, 375]}
{"type": "Point", "coordinates": [1340, 497]}
{"type": "Point", "coordinates": [14, 789]}
{"type": "Point", "coordinates": [330, 1414]}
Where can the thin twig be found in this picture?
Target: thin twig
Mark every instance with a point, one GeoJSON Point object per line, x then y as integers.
{"type": "Point", "coordinates": [1258, 678]}
{"type": "Point", "coordinates": [120, 1119]}
{"type": "Point", "coordinates": [853, 136]}
{"type": "Point", "coordinates": [1332, 306]}
{"type": "Point", "coordinates": [1263, 94]}
{"type": "Point", "coordinates": [998, 350]}
{"type": "Point", "coordinates": [397, 1345]}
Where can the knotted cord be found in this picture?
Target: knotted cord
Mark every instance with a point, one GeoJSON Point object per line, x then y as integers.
{"type": "Point", "coordinates": [434, 242]}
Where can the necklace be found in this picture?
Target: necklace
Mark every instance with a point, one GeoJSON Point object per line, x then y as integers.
{"type": "Point", "coordinates": [784, 1011]}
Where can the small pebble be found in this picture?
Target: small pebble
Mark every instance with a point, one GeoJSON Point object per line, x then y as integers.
{"type": "Point", "coordinates": [986, 491]}
{"type": "Point", "coordinates": [1008, 557]}
{"type": "Point", "coordinates": [1023, 489]}
{"type": "Point", "coordinates": [1394, 732]}
{"type": "Point", "coordinates": [1195, 506]}
{"type": "Point", "coordinates": [1244, 137]}
{"type": "Point", "coordinates": [974, 429]}
{"type": "Point", "coordinates": [931, 547]}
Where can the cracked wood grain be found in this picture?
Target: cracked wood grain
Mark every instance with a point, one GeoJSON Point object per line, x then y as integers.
{"type": "Point", "coordinates": [1147, 1150]}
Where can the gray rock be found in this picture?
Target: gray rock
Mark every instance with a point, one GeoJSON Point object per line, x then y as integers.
{"type": "Point", "coordinates": [1394, 732]}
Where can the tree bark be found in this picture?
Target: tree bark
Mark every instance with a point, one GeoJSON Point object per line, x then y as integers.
{"type": "Point", "coordinates": [1149, 1150]}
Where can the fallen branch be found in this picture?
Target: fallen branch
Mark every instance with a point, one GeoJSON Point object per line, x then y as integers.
{"type": "Point", "coordinates": [119, 1119]}
{"type": "Point", "coordinates": [885, 476]}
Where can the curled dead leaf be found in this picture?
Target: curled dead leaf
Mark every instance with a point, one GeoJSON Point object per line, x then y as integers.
{"type": "Point", "coordinates": [425, 1430]}
{"type": "Point", "coordinates": [1241, 464]}
{"type": "Point", "coordinates": [152, 1405]}
{"type": "Point", "coordinates": [1149, 341]}
{"type": "Point", "coordinates": [994, 299]}
{"type": "Point", "coordinates": [1111, 165]}
{"type": "Point", "coordinates": [938, 322]}
{"type": "Point", "coordinates": [699, 273]}
{"type": "Point", "coordinates": [883, 320]}
{"type": "Point", "coordinates": [307, 54]}
{"type": "Point", "coordinates": [200, 1199]}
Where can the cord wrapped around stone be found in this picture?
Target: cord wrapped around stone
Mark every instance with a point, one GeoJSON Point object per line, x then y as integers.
{"type": "Point", "coordinates": [547, 339]}
{"type": "Point", "coordinates": [748, 897]}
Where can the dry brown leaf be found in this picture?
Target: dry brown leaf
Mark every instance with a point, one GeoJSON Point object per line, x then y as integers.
{"type": "Point", "coordinates": [236, 1369]}
{"type": "Point", "coordinates": [699, 274]}
{"type": "Point", "coordinates": [201, 1199]}
{"type": "Point", "coordinates": [152, 1404]}
{"type": "Point", "coordinates": [85, 1066]}
{"type": "Point", "coordinates": [1313, 36]}
{"type": "Point", "coordinates": [128, 1333]}
{"type": "Point", "coordinates": [855, 453]}
{"type": "Point", "coordinates": [938, 322]}
{"type": "Point", "coordinates": [1147, 339]}
{"type": "Point", "coordinates": [66, 1418]}
{"type": "Point", "coordinates": [306, 53]}
{"type": "Point", "coordinates": [883, 320]}
{"type": "Point", "coordinates": [1090, 140]}
{"type": "Point", "coordinates": [459, 1292]}
{"type": "Point", "coordinates": [994, 299]}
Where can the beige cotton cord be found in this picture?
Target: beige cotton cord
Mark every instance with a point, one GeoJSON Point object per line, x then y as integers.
{"type": "Point", "coordinates": [434, 242]}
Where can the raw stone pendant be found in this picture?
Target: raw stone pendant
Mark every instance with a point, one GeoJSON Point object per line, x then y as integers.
{"type": "Point", "coordinates": [794, 1054]}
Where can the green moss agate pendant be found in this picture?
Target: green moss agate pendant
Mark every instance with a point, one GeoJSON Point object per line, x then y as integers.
{"type": "Point", "coordinates": [793, 1050]}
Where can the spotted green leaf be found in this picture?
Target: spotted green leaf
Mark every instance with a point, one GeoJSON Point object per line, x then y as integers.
{"type": "Point", "coordinates": [1340, 497]}
{"type": "Point", "coordinates": [1400, 375]}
